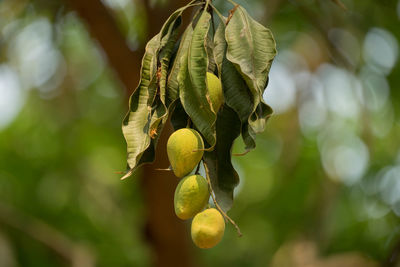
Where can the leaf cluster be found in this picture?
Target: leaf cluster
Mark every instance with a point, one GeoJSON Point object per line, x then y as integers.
{"type": "Point", "coordinates": [173, 84]}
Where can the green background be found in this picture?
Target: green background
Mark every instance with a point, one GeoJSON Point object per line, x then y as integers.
{"type": "Point", "coordinates": [322, 188]}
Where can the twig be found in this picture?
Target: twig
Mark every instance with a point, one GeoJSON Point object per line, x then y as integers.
{"type": "Point", "coordinates": [211, 148]}
{"type": "Point", "coordinates": [340, 4]}
{"type": "Point", "coordinates": [233, 2]}
{"type": "Point", "coordinates": [221, 17]}
{"type": "Point", "coordinates": [198, 168]}
{"type": "Point", "coordinates": [167, 169]}
{"type": "Point", "coordinates": [189, 122]}
{"type": "Point", "coordinates": [241, 154]}
{"type": "Point", "coordinates": [318, 23]}
{"type": "Point", "coordinates": [216, 203]}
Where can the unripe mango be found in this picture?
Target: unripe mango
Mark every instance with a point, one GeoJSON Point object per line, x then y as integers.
{"type": "Point", "coordinates": [185, 150]}
{"type": "Point", "coordinates": [215, 90]}
{"type": "Point", "coordinates": [208, 228]}
{"type": "Point", "coordinates": [191, 196]}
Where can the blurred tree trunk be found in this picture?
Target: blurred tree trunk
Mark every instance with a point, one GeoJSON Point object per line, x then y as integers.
{"type": "Point", "coordinates": [167, 235]}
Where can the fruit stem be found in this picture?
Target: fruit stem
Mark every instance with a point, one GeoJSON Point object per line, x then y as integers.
{"type": "Point", "coordinates": [216, 203]}
{"type": "Point", "coordinates": [189, 122]}
{"type": "Point", "coordinates": [198, 168]}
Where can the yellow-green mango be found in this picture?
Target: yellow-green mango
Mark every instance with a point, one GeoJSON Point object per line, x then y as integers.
{"type": "Point", "coordinates": [185, 150]}
{"type": "Point", "coordinates": [215, 90]}
{"type": "Point", "coordinates": [208, 228]}
{"type": "Point", "coordinates": [191, 196]}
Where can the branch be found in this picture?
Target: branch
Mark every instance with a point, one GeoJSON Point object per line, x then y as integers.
{"type": "Point", "coordinates": [166, 235]}
{"type": "Point", "coordinates": [157, 14]}
{"type": "Point", "coordinates": [340, 4]}
{"type": "Point", "coordinates": [319, 24]}
{"type": "Point", "coordinates": [103, 29]}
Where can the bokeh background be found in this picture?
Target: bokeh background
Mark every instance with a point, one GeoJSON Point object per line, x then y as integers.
{"type": "Point", "coordinates": [322, 188]}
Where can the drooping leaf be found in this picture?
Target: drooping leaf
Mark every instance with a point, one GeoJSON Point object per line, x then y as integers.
{"type": "Point", "coordinates": [136, 124]}
{"type": "Point", "coordinates": [192, 81]}
{"type": "Point", "coordinates": [260, 116]}
{"type": "Point", "coordinates": [251, 47]}
{"type": "Point", "coordinates": [173, 85]}
{"type": "Point", "coordinates": [236, 92]}
{"type": "Point", "coordinates": [160, 111]}
{"type": "Point", "coordinates": [165, 55]}
{"type": "Point", "coordinates": [210, 48]}
{"type": "Point", "coordinates": [219, 46]}
{"type": "Point", "coordinates": [223, 176]}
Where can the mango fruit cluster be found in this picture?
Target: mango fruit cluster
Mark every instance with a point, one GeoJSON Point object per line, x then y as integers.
{"type": "Point", "coordinates": [185, 148]}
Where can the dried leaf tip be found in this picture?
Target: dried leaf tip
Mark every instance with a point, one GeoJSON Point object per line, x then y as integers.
{"type": "Point", "coordinates": [231, 14]}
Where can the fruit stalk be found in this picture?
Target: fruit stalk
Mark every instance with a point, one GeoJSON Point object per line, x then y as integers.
{"type": "Point", "coordinates": [216, 203]}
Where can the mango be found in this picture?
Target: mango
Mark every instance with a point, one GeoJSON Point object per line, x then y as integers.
{"type": "Point", "coordinates": [191, 196]}
{"type": "Point", "coordinates": [208, 228]}
{"type": "Point", "coordinates": [184, 149]}
{"type": "Point", "coordinates": [215, 90]}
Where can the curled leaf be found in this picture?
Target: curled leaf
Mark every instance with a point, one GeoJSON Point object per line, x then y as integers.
{"type": "Point", "coordinates": [192, 81]}
{"type": "Point", "coordinates": [147, 109]}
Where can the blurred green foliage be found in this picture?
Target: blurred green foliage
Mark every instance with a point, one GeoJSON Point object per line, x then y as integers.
{"type": "Point", "coordinates": [326, 171]}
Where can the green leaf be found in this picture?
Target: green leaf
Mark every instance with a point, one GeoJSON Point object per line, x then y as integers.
{"type": "Point", "coordinates": [159, 111]}
{"type": "Point", "coordinates": [147, 109]}
{"type": "Point", "coordinates": [165, 55]}
{"type": "Point", "coordinates": [236, 92]}
{"type": "Point", "coordinates": [251, 47]}
{"type": "Point", "coordinates": [192, 81]}
{"type": "Point", "coordinates": [136, 123]}
{"type": "Point", "coordinates": [173, 85]}
{"type": "Point", "coordinates": [219, 46]}
{"type": "Point", "coordinates": [210, 48]}
{"type": "Point", "coordinates": [223, 176]}
{"type": "Point", "coordinates": [260, 116]}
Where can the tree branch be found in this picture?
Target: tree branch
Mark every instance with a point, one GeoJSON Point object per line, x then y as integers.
{"type": "Point", "coordinates": [166, 234]}
{"type": "Point", "coordinates": [316, 20]}
{"type": "Point", "coordinates": [77, 254]}
{"type": "Point", "coordinates": [102, 27]}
